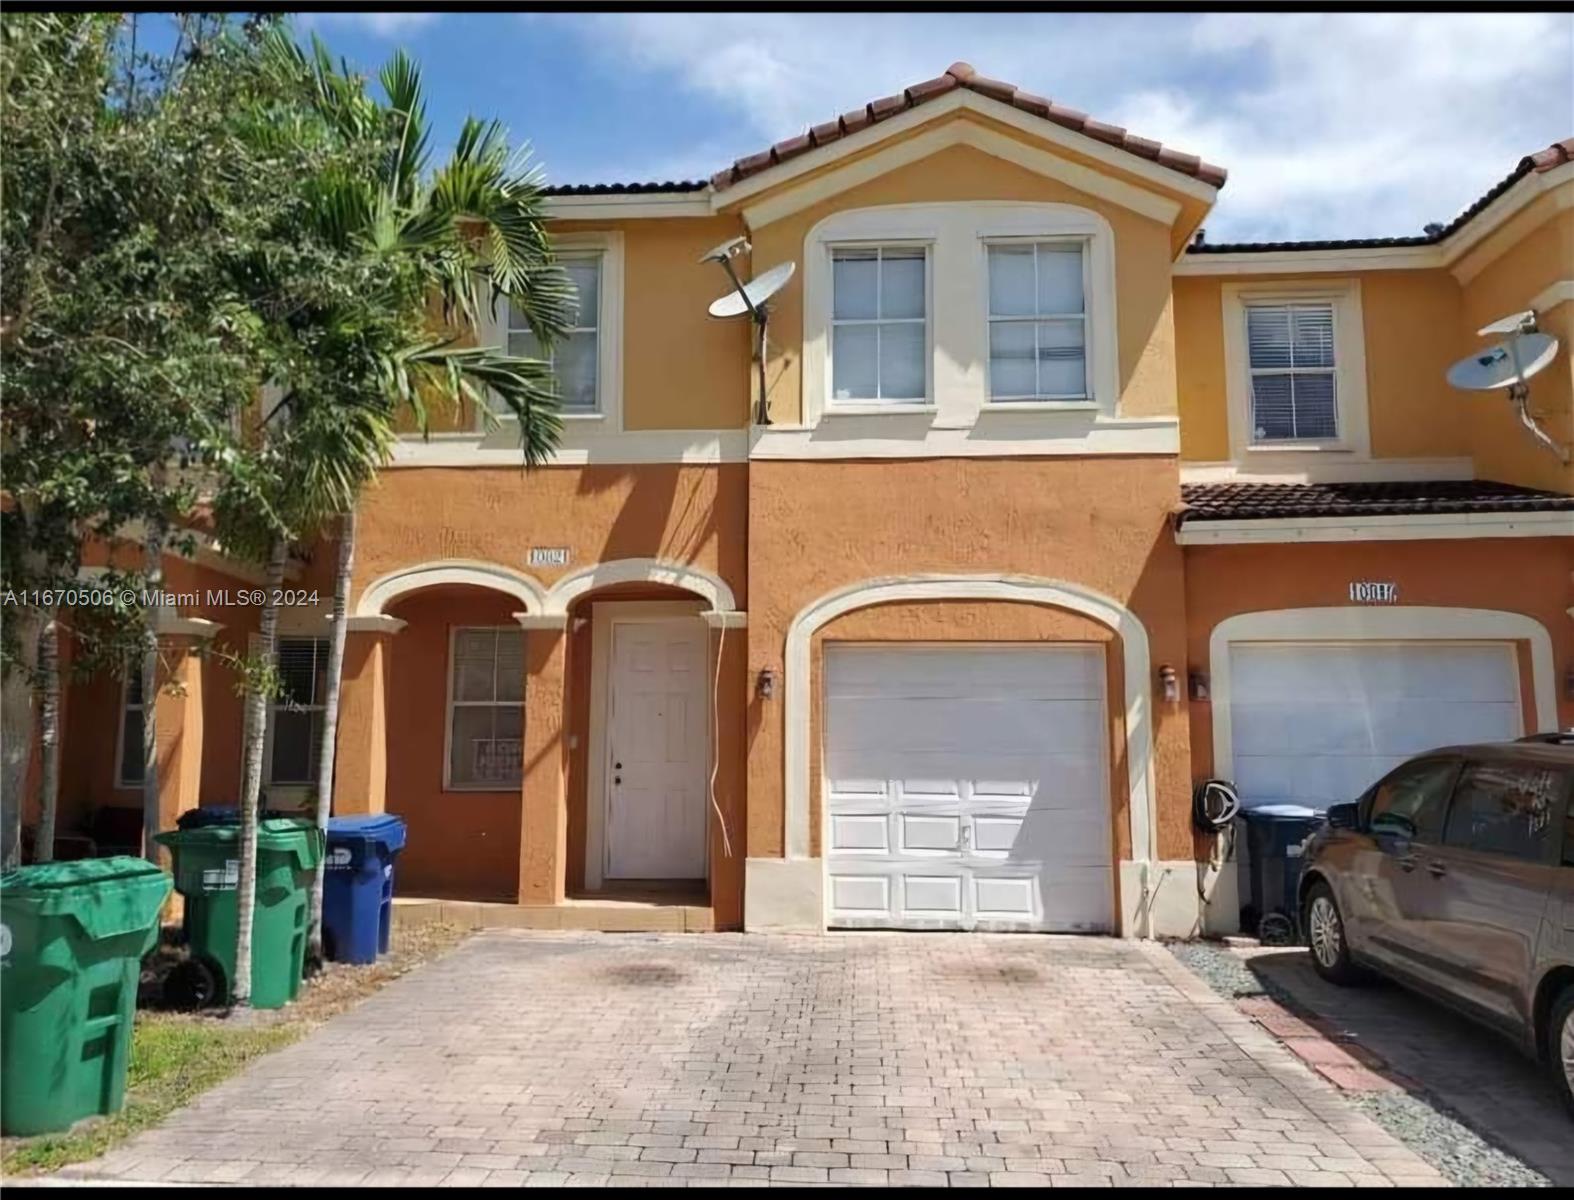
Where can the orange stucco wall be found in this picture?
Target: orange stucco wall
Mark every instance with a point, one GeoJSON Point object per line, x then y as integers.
{"type": "Point", "coordinates": [1522, 575]}
{"type": "Point", "coordinates": [680, 513]}
{"type": "Point", "coordinates": [1103, 523]}
{"type": "Point", "coordinates": [961, 173]}
{"type": "Point", "coordinates": [462, 843]}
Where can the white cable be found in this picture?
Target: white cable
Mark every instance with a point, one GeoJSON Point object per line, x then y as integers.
{"type": "Point", "coordinates": [715, 740]}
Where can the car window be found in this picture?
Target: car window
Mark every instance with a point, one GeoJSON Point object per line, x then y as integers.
{"type": "Point", "coordinates": [1507, 808]}
{"type": "Point", "coordinates": [1410, 803]}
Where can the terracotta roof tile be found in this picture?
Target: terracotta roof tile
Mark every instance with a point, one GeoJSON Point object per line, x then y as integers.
{"type": "Point", "coordinates": [961, 74]}
{"type": "Point", "coordinates": [1249, 501]}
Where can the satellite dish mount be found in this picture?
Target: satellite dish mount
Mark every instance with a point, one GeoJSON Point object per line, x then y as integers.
{"type": "Point", "coordinates": [749, 298]}
{"type": "Point", "coordinates": [1509, 366]}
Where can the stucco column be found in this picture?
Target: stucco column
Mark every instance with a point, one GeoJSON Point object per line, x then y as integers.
{"type": "Point", "coordinates": [360, 783]}
{"type": "Point", "coordinates": [178, 714]}
{"type": "Point", "coordinates": [543, 826]}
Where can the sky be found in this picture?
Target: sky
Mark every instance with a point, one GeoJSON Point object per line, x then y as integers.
{"type": "Point", "coordinates": [1331, 125]}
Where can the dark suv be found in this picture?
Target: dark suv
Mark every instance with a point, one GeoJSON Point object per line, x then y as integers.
{"type": "Point", "coordinates": [1454, 875]}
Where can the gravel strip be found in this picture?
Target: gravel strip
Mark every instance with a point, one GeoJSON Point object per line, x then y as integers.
{"type": "Point", "coordinates": [1421, 1123]}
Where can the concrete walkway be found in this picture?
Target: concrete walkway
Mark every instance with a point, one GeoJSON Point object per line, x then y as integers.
{"type": "Point", "coordinates": [541, 1058]}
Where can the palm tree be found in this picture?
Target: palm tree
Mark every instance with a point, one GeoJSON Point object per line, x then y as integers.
{"type": "Point", "coordinates": [472, 235]}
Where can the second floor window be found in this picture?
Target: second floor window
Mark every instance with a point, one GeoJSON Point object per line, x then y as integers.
{"type": "Point", "coordinates": [879, 325]}
{"type": "Point", "coordinates": [574, 358]}
{"type": "Point", "coordinates": [295, 716]}
{"type": "Point", "coordinates": [1290, 349]}
{"type": "Point", "coordinates": [486, 713]}
{"type": "Point", "coordinates": [1037, 322]}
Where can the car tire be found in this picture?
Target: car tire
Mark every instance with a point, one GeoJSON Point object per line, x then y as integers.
{"type": "Point", "coordinates": [1326, 937]}
{"type": "Point", "coordinates": [1560, 1046]}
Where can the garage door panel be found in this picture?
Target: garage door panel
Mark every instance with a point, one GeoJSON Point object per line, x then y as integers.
{"type": "Point", "coordinates": [995, 786]}
{"type": "Point", "coordinates": [1317, 723]}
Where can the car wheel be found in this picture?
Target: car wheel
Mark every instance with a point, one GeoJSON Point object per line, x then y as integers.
{"type": "Point", "coordinates": [1325, 934]}
{"type": "Point", "coordinates": [1560, 1046]}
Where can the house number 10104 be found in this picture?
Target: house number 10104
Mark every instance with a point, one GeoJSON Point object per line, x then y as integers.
{"type": "Point", "coordinates": [1366, 591]}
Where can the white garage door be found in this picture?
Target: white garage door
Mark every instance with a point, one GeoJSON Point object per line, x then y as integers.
{"type": "Point", "coordinates": [966, 787]}
{"type": "Point", "coordinates": [1318, 723]}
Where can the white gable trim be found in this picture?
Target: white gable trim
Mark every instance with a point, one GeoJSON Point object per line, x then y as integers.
{"type": "Point", "coordinates": [958, 133]}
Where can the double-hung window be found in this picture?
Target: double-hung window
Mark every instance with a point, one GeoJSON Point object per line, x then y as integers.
{"type": "Point", "coordinates": [295, 715]}
{"type": "Point", "coordinates": [575, 357]}
{"type": "Point", "coordinates": [132, 768]}
{"type": "Point", "coordinates": [486, 711]}
{"type": "Point", "coordinates": [1290, 353]}
{"type": "Point", "coordinates": [1038, 325]}
{"type": "Point", "coordinates": [879, 325]}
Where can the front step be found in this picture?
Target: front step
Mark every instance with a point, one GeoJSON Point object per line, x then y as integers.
{"type": "Point", "coordinates": [606, 916]}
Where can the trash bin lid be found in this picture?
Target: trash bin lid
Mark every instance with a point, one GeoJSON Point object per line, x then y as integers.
{"type": "Point", "coordinates": [385, 829]}
{"type": "Point", "coordinates": [49, 878]}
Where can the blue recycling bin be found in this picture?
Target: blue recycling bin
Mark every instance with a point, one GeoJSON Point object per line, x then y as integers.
{"type": "Point", "coordinates": [357, 900]}
{"type": "Point", "coordinates": [1276, 837]}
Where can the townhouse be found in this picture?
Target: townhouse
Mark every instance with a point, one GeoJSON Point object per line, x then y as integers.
{"type": "Point", "coordinates": [1055, 509]}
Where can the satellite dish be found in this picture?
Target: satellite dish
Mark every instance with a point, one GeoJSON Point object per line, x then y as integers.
{"type": "Point", "coordinates": [721, 253]}
{"type": "Point", "coordinates": [753, 294]}
{"type": "Point", "coordinates": [1509, 366]}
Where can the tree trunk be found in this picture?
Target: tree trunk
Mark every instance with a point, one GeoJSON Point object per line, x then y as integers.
{"type": "Point", "coordinates": [153, 567]}
{"type": "Point", "coordinates": [49, 740]}
{"type": "Point", "coordinates": [330, 723]}
{"type": "Point", "coordinates": [16, 716]}
{"type": "Point", "coordinates": [256, 731]}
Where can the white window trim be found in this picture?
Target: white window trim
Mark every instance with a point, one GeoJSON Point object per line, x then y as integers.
{"type": "Point", "coordinates": [289, 787]}
{"type": "Point", "coordinates": [121, 783]}
{"type": "Point", "coordinates": [958, 235]}
{"type": "Point", "coordinates": [866, 405]}
{"type": "Point", "coordinates": [579, 428]}
{"type": "Point", "coordinates": [448, 712]}
{"type": "Point", "coordinates": [1029, 403]}
{"type": "Point", "coordinates": [1354, 440]}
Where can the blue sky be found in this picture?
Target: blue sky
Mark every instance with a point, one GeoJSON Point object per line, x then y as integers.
{"type": "Point", "coordinates": [1357, 124]}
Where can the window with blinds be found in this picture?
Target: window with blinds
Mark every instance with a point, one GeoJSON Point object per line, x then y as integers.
{"type": "Point", "coordinates": [879, 325]}
{"type": "Point", "coordinates": [1290, 350]}
{"type": "Point", "coordinates": [486, 712]}
{"type": "Point", "coordinates": [1037, 322]}
{"type": "Point", "coordinates": [295, 715]}
{"type": "Point", "coordinates": [132, 769]}
{"type": "Point", "coordinates": [575, 357]}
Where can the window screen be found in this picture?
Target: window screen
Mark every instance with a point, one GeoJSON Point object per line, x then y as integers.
{"type": "Point", "coordinates": [295, 716]}
{"type": "Point", "coordinates": [879, 317]}
{"type": "Point", "coordinates": [575, 357]}
{"type": "Point", "coordinates": [1293, 391]}
{"type": "Point", "coordinates": [1037, 322]}
{"type": "Point", "coordinates": [132, 767]}
{"type": "Point", "coordinates": [486, 716]}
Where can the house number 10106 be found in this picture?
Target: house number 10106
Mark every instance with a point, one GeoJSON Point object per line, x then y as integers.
{"type": "Point", "coordinates": [1366, 591]}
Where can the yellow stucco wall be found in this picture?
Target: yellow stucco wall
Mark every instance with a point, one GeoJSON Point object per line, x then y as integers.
{"type": "Point", "coordinates": [1145, 327]}
{"type": "Point", "coordinates": [1409, 318]}
{"type": "Point", "coordinates": [1539, 252]}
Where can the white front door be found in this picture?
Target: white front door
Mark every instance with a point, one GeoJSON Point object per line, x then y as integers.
{"type": "Point", "coordinates": [1317, 723]}
{"type": "Point", "coordinates": [657, 721]}
{"type": "Point", "coordinates": [966, 788]}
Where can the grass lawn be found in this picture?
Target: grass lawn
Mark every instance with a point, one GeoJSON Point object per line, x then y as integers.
{"type": "Point", "coordinates": [177, 1056]}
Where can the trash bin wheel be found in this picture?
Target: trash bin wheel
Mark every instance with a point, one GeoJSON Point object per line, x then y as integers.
{"type": "Point", "coordinates": [192, 984]}
{"type": "Point", "coordinates": [1276, 929]}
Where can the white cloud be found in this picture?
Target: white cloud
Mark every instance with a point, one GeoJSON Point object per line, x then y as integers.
{"type": "Point", "coordinates": [392, 24]}
{"type": "Point", "coordinates": [1357, 124]}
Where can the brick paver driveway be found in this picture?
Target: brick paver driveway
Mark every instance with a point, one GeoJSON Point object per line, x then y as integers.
{"type": "Point", "coordinates": [860, 1058]}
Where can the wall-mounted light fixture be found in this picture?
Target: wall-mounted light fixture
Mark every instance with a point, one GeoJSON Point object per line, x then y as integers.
{"type": "Point", "coordinates": [1199, 685]}
{"type": "Point", "coordinates": [765, 684]}
{"type": "Point", "coordinates": [1169, 683]}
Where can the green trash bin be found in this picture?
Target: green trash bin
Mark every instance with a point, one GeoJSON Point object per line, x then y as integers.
{"type": "Point", "coordinates": [207, 874]}
{"type": "Point", "coordinates": [72, 937]}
